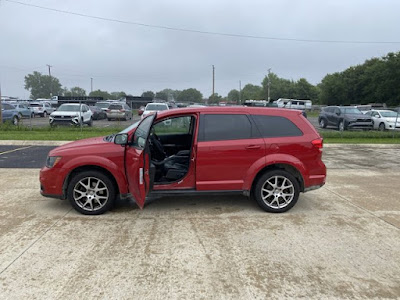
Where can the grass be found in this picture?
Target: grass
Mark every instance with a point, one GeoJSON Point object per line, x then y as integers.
{"type": "Point", "coordinates": [9, 132]}
{"type": "Point", "coordinates": [361, 137]}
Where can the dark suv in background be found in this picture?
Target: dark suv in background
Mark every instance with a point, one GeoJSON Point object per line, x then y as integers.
{"type": "Point", "coordinates": [344, 117]}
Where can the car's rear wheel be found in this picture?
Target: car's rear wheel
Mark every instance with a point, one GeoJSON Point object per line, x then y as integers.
{"type": "Point", "coordinates": [322, 123]}
{"type": "Point", "coordinates": [15, 120]}
{"type": "Point", "coordinates": [382, 127]}
{"type": "Point", "coordinates": [277, 191]}
{"type": "Point", "coordinates": [45, 114]}
{"type": "Point", "coordinates": [90, 122]}
{"type": "Point", "coordinates": [91, 193]}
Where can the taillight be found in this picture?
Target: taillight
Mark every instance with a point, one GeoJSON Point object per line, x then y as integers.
{"type": "Point", "coordinates": [108, 110]}
{"type": "Point", "coordinates": [318, 143]}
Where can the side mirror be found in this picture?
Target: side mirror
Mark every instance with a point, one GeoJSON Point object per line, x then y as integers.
{"type": "Point", "coordinates": [121, 139]}
{"type": "Point", "coordinates": [338, 113]}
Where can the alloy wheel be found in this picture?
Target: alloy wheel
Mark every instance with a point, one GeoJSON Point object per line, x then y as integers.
{"type": "Point", "coordinates": [277, 192]}
{"type": "Point", "coordinates": [90, 193]}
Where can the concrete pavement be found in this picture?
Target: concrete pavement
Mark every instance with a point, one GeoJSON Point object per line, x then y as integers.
{"type": "Point", "coordinates": [342, 241]}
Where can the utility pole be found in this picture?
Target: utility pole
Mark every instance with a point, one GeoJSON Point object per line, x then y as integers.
{"type": "Point", "coordinates": [1, 115]}
{"type": "Point", "coordinates": [213, 84]}
{"type": "Point", "coordinates": [51, 82]}
{"type": "Point", "coordinates": [269, 84]}
{"type": "Point", "coordinates": [240, 92]}
{"type": "Point", "coordinates": [91, 84]}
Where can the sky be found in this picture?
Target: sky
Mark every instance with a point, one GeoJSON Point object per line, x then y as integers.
{"type": "Point", "coordinates": [294, 40]}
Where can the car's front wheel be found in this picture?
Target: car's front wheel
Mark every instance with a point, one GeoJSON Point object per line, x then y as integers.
{"type": "Point", "coordinates": [382, 127]}
{"type": "Point", "coordinates": [91, 192]}
{"type": "Point", "coordinates": [341, 126]}
{"type": "Point", "coordinates": [90, 122]}
{"type": "Point", "coordinates": [276, 191]}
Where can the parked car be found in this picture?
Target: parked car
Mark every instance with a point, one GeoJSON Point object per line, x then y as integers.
{"type": "Point", "coordinates": [103, 105]}
{"type": "Point", "coordinates": [269, 154]}
{"type": "Point", "coordinates": [119, 111]}
{"type": "Point", "coordinates": [9, 113]}
{"type": "Point", "coordinates": [71, 114]}
{"type": "Point", "coordinates": [343, 118]}
{"type": "Point", "coordinates": [154, 107]}
{"type": "Point", "coordinates": [41, 108]}
{"type": "Point", "coordinates": [98, 113]}
{"type": "Point", "coordinates": [24, 110]}
{"type": "Point", "coordinates": [140, 110]}
{"type": "Point", "coordinates": [384, 119]}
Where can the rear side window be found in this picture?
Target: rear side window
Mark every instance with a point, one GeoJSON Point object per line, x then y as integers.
{"type": "Point", "coordinates": [276, 126]}
{"type": "Point", "coordinates": [225, 127]}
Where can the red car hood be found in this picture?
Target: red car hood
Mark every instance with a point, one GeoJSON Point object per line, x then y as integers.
{"type": "Point", "coordinates": [80, 143]}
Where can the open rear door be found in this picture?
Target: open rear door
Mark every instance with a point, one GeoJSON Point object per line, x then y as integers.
{"type": "Point", "coordinates": [137, 162]}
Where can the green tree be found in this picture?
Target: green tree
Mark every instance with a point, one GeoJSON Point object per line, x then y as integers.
{"type": "Point", "coordinates": [75, 91]}
{"type": "Point", "coordinates": [161, 95]}
{"type": "Point", "coordinates": [42, 86]}
{"type": "Point", "coordinates": [251, 92]}
{"type": "Point", "coordinates": [100, 93]}
{"type": "Point", "coordinates": [233, 96]}
{"type": "Point", "coordinates": [117, 95]}
{"type": "Point", "coordinates": [190, 95]}
{"type": "Point", "coordinates": [215, 99]}
{"type": "Point", "coordinates": [149, 94]}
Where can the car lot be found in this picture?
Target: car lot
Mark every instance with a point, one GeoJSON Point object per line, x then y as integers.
{"type": "Point", "coordinates": [342, 241]}
{"type": "Point", "coordinates": [42, 122]}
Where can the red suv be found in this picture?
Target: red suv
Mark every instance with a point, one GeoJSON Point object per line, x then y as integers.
{"type": "Point", "coordinates": [267, 153]}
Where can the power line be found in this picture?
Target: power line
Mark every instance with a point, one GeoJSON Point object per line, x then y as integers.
{"type": "Point", "coordinates": [201, 31]}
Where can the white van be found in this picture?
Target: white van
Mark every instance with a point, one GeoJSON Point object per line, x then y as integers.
{"type": "Point", "coordinates": [294, 103]}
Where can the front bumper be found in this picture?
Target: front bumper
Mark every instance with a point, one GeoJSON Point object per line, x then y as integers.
{"type": "Point", "coordinates": [51, 182]}
{"type": "Point", "coordinates": [359, 125]}
{"type": "Point", "coordinates": [64, 120]}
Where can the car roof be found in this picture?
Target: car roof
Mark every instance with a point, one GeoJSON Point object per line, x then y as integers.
{"type": "Point", "coordinates": [230, 109]}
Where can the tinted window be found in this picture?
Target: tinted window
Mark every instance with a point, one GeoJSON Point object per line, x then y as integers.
{"type": "Point", "coordinates": [226, 127]}
{"type": "Point", "coordinates": [275, 126]}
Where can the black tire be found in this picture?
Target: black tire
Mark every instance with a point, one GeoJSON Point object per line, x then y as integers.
{"type": "Point", "coordinates": [108, 119]}
{"type": "Point", "coordinates": [90, 122]}
{"type": "Point", "coordinates": [341, 126]}
{"type": "Point", "coordinates": [78, 195]}
{"type": "Point", "coordinates": [322, 123]}
{"type": "Point", "coordinates": [382, 127]}
{"type": "Point", "coordinates": [19, 116]}
{"type": "Point", "coordinates": [273, 200]}
{"type": "Point", "coordinates": [15, 120]}
{"type": "Point", "coordinates": [45, 114]}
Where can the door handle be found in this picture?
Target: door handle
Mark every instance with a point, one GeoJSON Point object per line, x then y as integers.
{"type": "Point", "coordinates": [251, 147]}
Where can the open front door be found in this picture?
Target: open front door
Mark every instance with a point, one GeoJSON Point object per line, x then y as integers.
{"type": "Point", "coordinates": [137, 162]}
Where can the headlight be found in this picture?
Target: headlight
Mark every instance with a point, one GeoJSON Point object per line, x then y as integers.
{"type": "Point", "coordinates": [51, 161]}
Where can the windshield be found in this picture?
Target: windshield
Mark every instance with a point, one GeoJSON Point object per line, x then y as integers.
{"type": "Point", "coordinates": [134, 125]}
{"type": "Point", "coordinates": [69, 107]}
{"type": "Point", "coordinates": [389, 114]}
{"type": "Point", "coordinates": [35, 105]}
{"type": "Point", "coordinates": [102, 105]}
{"type": "Point", "coordinates": [156, 107]}
{"type": "Point", "coordinates": [351, 110]}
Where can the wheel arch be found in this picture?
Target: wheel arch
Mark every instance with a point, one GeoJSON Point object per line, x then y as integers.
{"type": "Point", "coordinates": [280, 166]}
{"type": "Point", "coordinates": [80, 169]}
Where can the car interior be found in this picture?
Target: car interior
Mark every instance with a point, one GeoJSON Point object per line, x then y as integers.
{"type": "Point", "coordinates": [170, 144]}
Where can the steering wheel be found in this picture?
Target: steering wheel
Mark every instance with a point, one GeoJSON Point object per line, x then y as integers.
{"type": "Point", "coordinates": [157, 146]}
